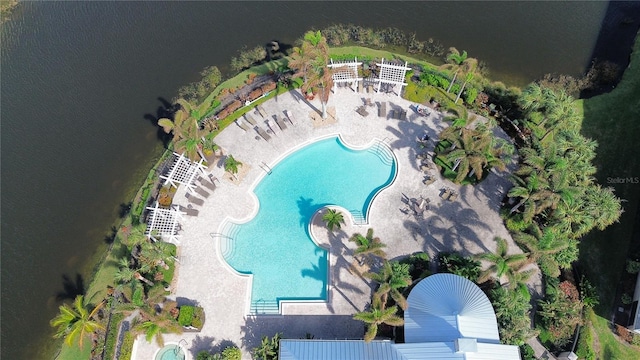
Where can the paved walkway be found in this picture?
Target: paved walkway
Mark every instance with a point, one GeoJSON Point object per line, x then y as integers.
{"type": "Point", "coordinates": [467, 225]}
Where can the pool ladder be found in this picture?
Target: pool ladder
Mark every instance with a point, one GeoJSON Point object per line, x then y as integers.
{"type": "Point", "coordinates": [265, 167]}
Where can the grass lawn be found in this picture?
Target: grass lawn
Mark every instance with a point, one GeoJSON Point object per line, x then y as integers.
{"type": "Point", "coordinates": [612, 120]}
{"type": "Point", "coordinates": [75, 352]}
{"type": "Point", "coordinates": [373, 53]}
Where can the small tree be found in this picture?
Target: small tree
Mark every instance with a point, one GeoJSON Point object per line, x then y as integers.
{"type": "Point", "coordinates": [376, 316]}
{"type": "Point", "coordinates": [231, 165]}
{"type": "Point", "coordinates": [231, 353]}
{"type": "Point", "coordinates": [333, 218]}
{"type": "Point", "coordinates": [76, 323]}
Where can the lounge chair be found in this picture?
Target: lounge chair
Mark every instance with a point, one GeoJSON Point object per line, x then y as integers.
{"type": "Point", "coordinates": [191, 212]}
{"type": "Point", "coordinates": [361, 110]}
{"type": "Point", "coordinates": [262, 133]}
{"type": "Point", "coordinates": [213, 179]}
{"type": "Point", "coordinates": [382, 111]}
{"type": "Point", "coordinates": [242, 126]}
{"type": "Point", "coordinates": [194, 200]}
{"type": "Point", "coordinates": [369, 88]}
{"type": "Point", "coordinates": [289, 116]}
{"type": "Point", "coordinates": [403, 114]}
{"type": "Point", "coordinates": [250, 119]}
{"type": "Point", "coordinates": [206, 183]}
{"type": "Point", "coordinates": [445, 194]}
{"type": "Point", "coordinates": [453, 196]}
{"type": "Point", "coordinates": [429, 180]}
{"type": "Point", "coordinates": [360, 87]}
{"type": "Point", "coordinates": [201, 192]}
{"type": "Point", "coordinates": [280, 123]}
{"type": "Point", "coordinates": [261, 111]}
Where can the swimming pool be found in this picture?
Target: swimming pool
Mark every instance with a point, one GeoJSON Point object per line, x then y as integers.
{"type": "Point", "coordinates": [275, 246]}
{"type": "Point", "coordinates": [170, 352]}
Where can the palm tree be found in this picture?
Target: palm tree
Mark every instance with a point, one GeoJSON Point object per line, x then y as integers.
{"type": "Point", "coordinates": [75, 323]}
{"type": "Point", "coordinates": [268, 348]}
{"type": "Point", "coordinates": [376, 316]}
{"type": "Point", "coordinates": [156, 326]}
{"type": "Point", "coordinates": [467, 78]}
{"type": "Point", "coordinates": [602, 205]}
{"type": "Point", "coordinates": [125, 274]}
{"type": "Point", "coordinates": [458, 61]}
{"type": "Point", "coordinates": [321, 77]}
{"type": "Point", "coordinates": [542, 245]}
{"type": "Point", "coordinates": [368, 246]}
{"type": "Point", "coordinates": [502, 264]}
{"type": "Point", "coordinates": [333, 218]}
{"type": "Point", "coordinates": [155, 254]}
{"type": "Point", "coordinates": [231, 165]}
{"type": "Point", "coordinates": [392, 278]}
{"type": "Point", "coordinates": [471, 153]}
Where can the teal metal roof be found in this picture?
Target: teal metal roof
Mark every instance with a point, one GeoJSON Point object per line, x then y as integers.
{"type": "Point", "coordinates": [337, 350]}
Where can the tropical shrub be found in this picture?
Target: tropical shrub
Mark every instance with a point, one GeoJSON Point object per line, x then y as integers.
{"type": "Point", "coordinates": [560, 311]}
{"type": "Point", "coordinates": [418, 265]}
{"type": "Point", "coordinates": [198, 318]}
{"type": "Point", "coordinates": [470, 95]}
{"type": "Point", "coordinates": [512, 314]}
{"type": "Point", "coordinates": [186, 315]}
{"type": "Point", "coordinates": [633, 266]}
{"type": "Point", "coordinates": [127, 346]}
{"type": "Point", "coordinates": [457, 264]}
{"type": "Point", "coordinates": [527, 352]}
{"type": "Point", "coordinates": [231, 353]}
{"type": "Point", "coordinates": [268, 348]}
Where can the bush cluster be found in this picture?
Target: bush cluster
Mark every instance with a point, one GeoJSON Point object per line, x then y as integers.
{"type": "Point", "coordinates": [195, 91]}
{"type": "Point", "coordinates": [248, 57]}
{"type": "Point", "coordinates": [344, 34]}
{"type": "Point", "coordinates": [186, 315]}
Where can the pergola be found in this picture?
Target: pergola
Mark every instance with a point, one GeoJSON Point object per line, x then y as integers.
{"type": "Point", "coordinates": [184, 172]}
{"type": "Point", "coordinates": [392, 74]}
{"type": "Point", "coordinates": [345, 72]}
{"type": "Point", "coordinates": [163, 224]}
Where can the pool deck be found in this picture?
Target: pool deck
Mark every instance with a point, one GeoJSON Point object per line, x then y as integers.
{"type": "Point", "coordinates": [467, 225]}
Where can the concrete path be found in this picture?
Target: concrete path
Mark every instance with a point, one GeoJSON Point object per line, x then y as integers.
{"type": "Point", "coordinates": [467, 225]}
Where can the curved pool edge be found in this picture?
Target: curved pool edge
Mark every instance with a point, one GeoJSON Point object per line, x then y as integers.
{"type": "Point", "coordinates": [228, 220]}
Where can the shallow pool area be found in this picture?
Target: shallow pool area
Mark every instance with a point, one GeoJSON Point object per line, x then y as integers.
{"type": "Point", "coordinates": [275, 246]}
{"type": "Point", "coordinates": [171, 352]}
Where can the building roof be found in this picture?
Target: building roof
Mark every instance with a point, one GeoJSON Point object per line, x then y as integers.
{"type": "Point", "coordinates": [444, 307]}
{"type": "Point", "coordinates": [449, 318]}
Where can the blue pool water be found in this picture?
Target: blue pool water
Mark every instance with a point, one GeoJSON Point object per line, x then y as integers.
{"type": "Point", "coordinates": [275, 246]}
{"type": "Point", "coordinates": [170, 352]}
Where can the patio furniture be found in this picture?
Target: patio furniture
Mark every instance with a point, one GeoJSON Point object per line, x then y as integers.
{"type": "Point", "coordinates": [362, 111]}
{"type": "Point", "coordinates": [194, 200]}
{"type": "Point", "coordinates": [261, 111]}
{"type": "Point", "coordinates": [382, 110]}
{"type": "Point", "coordinates": [242, 126]}
{"type": "Point", "coordinates": [262, 133]}
{"type": "Point", "coordinates": [201, 192]}
{"type": "Point", "coordinates": [280, 122]}
{"type": "Point", "coordinates": [250, 119]}
{"type": "Point", "coordinates": [206, 183]}
{"type": "Point", "coordinates": [428, 180]}
{"type": "Point", "coordinates": [403, 114]}
{"type": "Point", "coordinates": [446, 193]}
{"type": "Point", "coordinates": [453, 196]}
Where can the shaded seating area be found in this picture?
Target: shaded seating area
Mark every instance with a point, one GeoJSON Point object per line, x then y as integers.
{"type": "Point", "coordinates": [163, 224]}
{"type": "Point", "coordinates": [184, 172]}
{"type": "Point", "coordinates": [449, 194]}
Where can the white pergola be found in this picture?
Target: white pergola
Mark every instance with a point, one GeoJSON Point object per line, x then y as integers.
{"type": "Point", "coordinates": [184, 172]}
{"type": "Point", "coordinates": [163, 224]}
{"type": "Point", "coordinates": [392, 74]}
{"type": "Point", "coordinates": [346, 72]}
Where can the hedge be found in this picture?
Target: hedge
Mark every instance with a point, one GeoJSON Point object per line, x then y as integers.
{"type": "Point", "coordinates": [186, 315]}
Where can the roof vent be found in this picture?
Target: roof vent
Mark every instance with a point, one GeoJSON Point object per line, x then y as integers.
{"type": "Point", "coordinates": [466, 345]}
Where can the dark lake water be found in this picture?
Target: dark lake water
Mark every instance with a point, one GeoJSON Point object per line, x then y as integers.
{"type": "Point", "coordinates": [77, 79]}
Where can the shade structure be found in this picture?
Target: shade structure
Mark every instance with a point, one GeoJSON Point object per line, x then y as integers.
{"type": "Point", "coordinates": [445, 307]}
